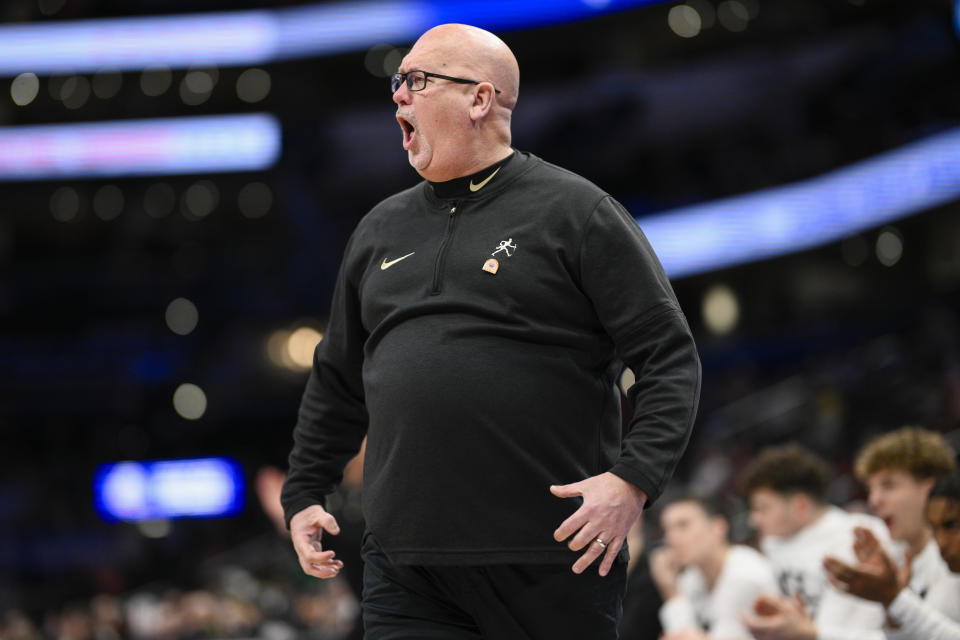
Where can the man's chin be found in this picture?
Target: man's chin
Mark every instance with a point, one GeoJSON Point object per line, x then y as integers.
{"type": "Point", "coordinates": [415, 159]}
{"type": "Point", "coordinates": [420, 162]}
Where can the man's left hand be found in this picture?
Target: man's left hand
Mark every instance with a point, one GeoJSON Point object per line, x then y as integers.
{"type": "Point", "coordinates": [610, 507]}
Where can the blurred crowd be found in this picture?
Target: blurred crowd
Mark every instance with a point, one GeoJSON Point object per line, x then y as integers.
{"type": "Point", "coordinates": [240, 606]}
{"type": "Point", "coordinates": [254, 590]}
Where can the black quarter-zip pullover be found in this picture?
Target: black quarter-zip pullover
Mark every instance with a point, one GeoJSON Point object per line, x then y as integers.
{"type": "Point", "coordinates": [478, 343]}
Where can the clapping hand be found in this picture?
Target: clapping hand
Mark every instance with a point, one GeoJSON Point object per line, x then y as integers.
{"type": "Point", "coordinates": [875, 576]}
{"type": "Point", "coordinates": [779, 618]}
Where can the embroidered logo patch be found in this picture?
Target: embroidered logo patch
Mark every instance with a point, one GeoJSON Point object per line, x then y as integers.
{"type": "Point", "coordinates": [491, 265]}
{"type": "Point", "coordinates": [506, 246]}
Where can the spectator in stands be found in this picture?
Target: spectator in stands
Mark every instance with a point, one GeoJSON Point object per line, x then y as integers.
{"type": "Point", "coordinates": [107, 617]}
{"type": "Point", "coordinates": [706, 583]}
{"type": "Point", "coordinates": [786, 487]}
{"type": "Point", "coordinates": [15, 625]}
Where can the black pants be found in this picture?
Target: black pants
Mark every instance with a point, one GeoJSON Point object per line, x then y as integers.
{"type": "Point", "coordinates": [490, 602]}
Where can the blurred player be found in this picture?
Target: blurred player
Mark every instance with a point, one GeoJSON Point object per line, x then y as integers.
{"type": "Point", "coordinates": [786, 487]}
{"type": "Point", "coordinates": [876, 577]}
{"type": "Point", "coordinates": [706, 583]}
{"type": "Point", "coordinates": [899, 468]}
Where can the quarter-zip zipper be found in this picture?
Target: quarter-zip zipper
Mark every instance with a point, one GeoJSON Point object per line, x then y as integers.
{"type": "Point", "coordinates": [442, 252]}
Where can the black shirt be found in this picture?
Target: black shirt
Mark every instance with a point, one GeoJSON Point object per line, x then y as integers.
{"type": "Point", "coordinates": [482, 383]}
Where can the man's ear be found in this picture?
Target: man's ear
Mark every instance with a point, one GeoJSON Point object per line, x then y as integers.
{"type": "Point", "coordinates": [721, 527]}
{"type": "Point", "coordinates": [483, 98]}
{"type": "Point", "coordinates": [802, 504]}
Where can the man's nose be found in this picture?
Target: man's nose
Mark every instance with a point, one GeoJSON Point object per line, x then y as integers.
{"type": "Point", "coordinates": [402, 94]}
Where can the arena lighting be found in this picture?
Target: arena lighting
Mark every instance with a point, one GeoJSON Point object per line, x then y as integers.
{"type": "Point", "coordinates": [807, 214]}
{"type": "Point", "coordinates": [137, 491]}
{"type": "Point", "coordinates": [204, 144]}
{"type": "Point", "coordinates": [256, 37]}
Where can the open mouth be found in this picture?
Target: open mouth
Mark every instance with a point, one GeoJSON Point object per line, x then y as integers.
{"type": "Point", "coordinates": [408, 130]}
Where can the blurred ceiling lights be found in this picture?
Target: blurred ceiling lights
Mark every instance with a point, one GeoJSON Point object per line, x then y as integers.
{"type": "Point", "coordinates": [163, 146]}
{"type": "Point", "coordinates": [811, 213]}
{"type": "Point", "coordinates": [257, 37]}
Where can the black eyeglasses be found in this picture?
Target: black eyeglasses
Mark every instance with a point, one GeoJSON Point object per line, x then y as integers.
{"type": "Point", "coordinates": [417, 80]}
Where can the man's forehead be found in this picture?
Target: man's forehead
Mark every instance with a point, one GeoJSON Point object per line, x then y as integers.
{"type": "Point", "coordinates": [411, 62]}
{"type": "Point", "coordinates": [406, 63]}
{"type": "Point", "coordinates": [886, 474]}
{"type": "Point", "coordinates": [431, 55]}
{"type": "Point", "coordinates": [681, 510]}
{"type": "Point", "coordinates": [767, 494]}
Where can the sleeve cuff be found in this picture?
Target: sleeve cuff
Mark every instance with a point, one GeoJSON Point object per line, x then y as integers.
{"type": "Point", "coordinates": [901, 604]}
{"type": "Point", "coordinates": [638, 480]}
{"type": "Point", "coordinates": [294, 507]}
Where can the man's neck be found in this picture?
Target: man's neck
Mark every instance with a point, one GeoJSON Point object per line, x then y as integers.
{"type": "Point", "coordinates": [814, 516]}
{"type": "Point", "coordinates": [473, 161]}
{"type": "Point", "coordinates": [491, 156]}
{"type": "Point", "coordinates": [464, 186]}
{"type": "Point", "coordinates": [918, 542]}
{"type": "Point", "coordinates": [712, 566]}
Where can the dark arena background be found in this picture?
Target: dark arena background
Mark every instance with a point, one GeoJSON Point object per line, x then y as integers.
{"type": "Point", "coordinates": [178, 181]}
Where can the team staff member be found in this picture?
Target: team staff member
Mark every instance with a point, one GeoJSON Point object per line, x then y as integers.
{"type": "Point", "coordinates": [480, 322]}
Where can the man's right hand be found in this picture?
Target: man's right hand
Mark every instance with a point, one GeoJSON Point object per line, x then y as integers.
{"type": "Point", "coordinates": [306, 529]}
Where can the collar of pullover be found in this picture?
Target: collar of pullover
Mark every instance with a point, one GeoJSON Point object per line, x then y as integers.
{"type": "Point", "coordinates": [466, 186]}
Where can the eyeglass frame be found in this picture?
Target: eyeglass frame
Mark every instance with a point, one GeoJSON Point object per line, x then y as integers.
{"type": "Point", "coordinates": [400, 78]}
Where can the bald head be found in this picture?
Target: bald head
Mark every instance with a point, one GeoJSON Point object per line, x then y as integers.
{"type": "Point", "coordinates": [457, 120]}
{"type": "Point", "coordinates": [481, 54]}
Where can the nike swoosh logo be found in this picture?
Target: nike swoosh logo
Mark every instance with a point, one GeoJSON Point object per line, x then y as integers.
{"type": "Point", "coordinates": [477, 187]}
{"type": "Point", "coordinates": [387, 264]}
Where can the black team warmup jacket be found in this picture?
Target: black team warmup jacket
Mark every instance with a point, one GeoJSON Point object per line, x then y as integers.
{"type": "Point", "coordinates": [479, 388]}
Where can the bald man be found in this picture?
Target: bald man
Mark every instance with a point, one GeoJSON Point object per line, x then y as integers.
{"type": "Point", "coordinates": [479, 325]}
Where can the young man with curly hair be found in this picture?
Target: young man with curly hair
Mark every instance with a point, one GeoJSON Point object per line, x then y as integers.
{"type": "Point", "coordinates": [899, 469]}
